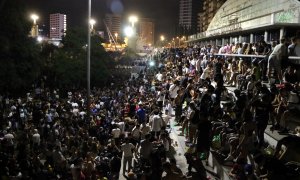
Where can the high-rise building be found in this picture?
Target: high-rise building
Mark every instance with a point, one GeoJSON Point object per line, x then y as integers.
{"type": "Point", "coordinates": [58, 25]}
{"type": "Point", "coordinates": [208, 11]}
{"type": "Point", "coordinates": [145, 30]}
{"type": "Point", "coordinates": [188, 15]}
{"type": "Point", "coordinates": [113, 23]}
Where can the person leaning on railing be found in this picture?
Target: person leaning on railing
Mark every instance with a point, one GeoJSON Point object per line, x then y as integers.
{"type": "Point", "coordinates": [278, 60]}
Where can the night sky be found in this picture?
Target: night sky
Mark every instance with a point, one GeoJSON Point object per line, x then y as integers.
{"type": "Point", "coordinates": [164, 12]}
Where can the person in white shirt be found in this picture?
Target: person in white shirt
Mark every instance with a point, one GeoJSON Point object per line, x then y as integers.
{"type": "Point", "coordinates": [173, 90]}
{"type": "Point", "coordinates": [159, 76]}
{"type": "Point", "coordinates": [36, 138]}
{"type": "Point", "coordinates": [136, 133]}
{"type": "Point", "coordinates": [145, 129]}
{"type": "Point", "coordinates": [156, 123]}
{"type": "Point", "coordinates": [166, 117]}
{"type": "Point", "coordinates": [206, 72]}
{"type": "Point", "coordinates": [121, 125]}
{"type": "Point", "coordinates": [127, 149]}
{"type": "Point", "coordinates": [116, 132]}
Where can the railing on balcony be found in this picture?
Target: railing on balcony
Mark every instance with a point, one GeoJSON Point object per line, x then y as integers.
{"type": "Point", "coordinates": [293, 59]}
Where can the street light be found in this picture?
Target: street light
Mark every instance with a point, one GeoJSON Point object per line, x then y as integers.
{"type": "Point", "coordinates": [178, 41]}
{"type": "Point", "coordinates": [162, 38]}
{"type": "Point", "coordinates": [92, 23]}
{"type": "Point", "coordinates": [34, 17]}
{"type": "Point", "coordinates": [128, 31]}
{"type": "Point", "coordinates": [116, 35]}
{"type": "Point", "coordinates": [34, 29]}
{"type": "Point", "coordinates": [88, 63]}
{"type": "Point", "coordinates": [133, 19]}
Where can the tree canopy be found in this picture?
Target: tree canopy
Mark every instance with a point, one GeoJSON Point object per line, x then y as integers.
{"type": "Point", "coordinates": [19, 54]}
{"type": "Point", "coordinates": [69, 62]}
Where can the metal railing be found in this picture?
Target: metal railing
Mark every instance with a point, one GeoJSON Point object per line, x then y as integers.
{"type": "Point", "coordinates": [292, 59]}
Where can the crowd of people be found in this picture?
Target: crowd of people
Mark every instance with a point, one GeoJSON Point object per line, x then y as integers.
{"type": "Point", "coordinates": [47, 134]}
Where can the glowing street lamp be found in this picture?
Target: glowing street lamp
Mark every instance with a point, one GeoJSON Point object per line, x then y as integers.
{"type": "Point", "coordinates": [92, 23]}
{"type": "Point", "coordinates": [133, 20]}
{"type": "Point", "coordinates": [162, 38]}
{"type": "Point", "coordinates": [178, 41]}
{"type": "Point", "coordinates": [128, 31]}
{"type": "Point", "coordinates": [116, 35]}
{"type": "Point", "coordinates": [34, 17]}
{"type": "Point", "coordinates": [34, 29]}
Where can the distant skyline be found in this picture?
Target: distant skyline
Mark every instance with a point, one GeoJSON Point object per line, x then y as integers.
{"type": "Point", "coordinates": [164, 12]}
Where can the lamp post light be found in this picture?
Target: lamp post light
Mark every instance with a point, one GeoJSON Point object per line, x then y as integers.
{"type": "Point", "coordinates": [92, 23]}
{"type": "Point", "coordinates": [133, 19]}
{"type": "Point", "coordinates": [34, 17]}
{"type": "Point", "coordinates": [116, 35]}
{"type": "Point", "coordinates": [162, 39]}
{"type": "Point", "coordinates": [183, 39]}
{"type": "Point", "coordinates": [128, 31]}
{"type": "Point", "coordinates": [88, 74]}
{"type": "Point", "coordinates": [34, 29]}
{"type": "Point", "coordinates": [178, 41]}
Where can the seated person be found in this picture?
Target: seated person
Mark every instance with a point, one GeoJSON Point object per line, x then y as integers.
{"type": "Point", "coordinates": [270, 168]}
{"type": "Point", "coordinates": [291, 149]}
{"type": "Point", "coordinates": [292, 111]}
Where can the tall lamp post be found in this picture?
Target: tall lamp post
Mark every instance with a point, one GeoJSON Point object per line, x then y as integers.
{"type": "Point", "coordinates": [88, 75]}
{"type": "Point", "coordinates": [132, 38]}
{"type": "Point", "coordinates": [116, 35]}
{"type": "Point", "coordinates": [162, 39]}
{"type": "Point", "coordinates": [34, 29]}
{"type": "Point", "coordinates": [133, 20]}
{"type": "Point", "coordinates": [92, 23]}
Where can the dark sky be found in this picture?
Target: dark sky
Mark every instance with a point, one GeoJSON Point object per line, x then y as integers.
{"type": "Point", "coordinates": [164, 12]}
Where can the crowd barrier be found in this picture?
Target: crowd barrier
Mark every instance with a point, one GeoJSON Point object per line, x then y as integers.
{"type": "Point", "coordinates": [292, 59]}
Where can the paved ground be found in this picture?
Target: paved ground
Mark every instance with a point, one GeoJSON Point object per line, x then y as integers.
{"type": "Point", "coordinates": [178, 147]}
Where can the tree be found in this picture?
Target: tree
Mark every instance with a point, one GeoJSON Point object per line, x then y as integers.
{"type": "Point", "coordinates": [69, 62]}
{"type": "Point", "coordinates": [19, 54]}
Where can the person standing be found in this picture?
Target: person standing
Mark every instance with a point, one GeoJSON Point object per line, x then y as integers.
{"type": "Point", "coordinates": [156, 123]}
{"type": "Point", "coordinates": [145, 149]}
{"type": "Point", "coordinates": [141, 114]}
{"type": "Point", "coordinates": [263, 110]}
{"type": "Point", "coordinates": [115, 167]}
{"type": "Point", "coordinates": [36, 139]}
{"type": "Point", "coordinates": [278, 59]}
{"type": "Point", "coordinates": [127, 149]}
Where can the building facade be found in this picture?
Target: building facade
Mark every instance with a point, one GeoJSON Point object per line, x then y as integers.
{"type": "Point", "coordinates": [188, 15]}
{"type": "Point", "coordinates": [113, 24]}
{"type": "Point", "coordinates": [58, 25]}
{"type": "Point", "coordinates": [208, 10]}
{"type": "Point", "coordinates": [251, 21]}
{"type": "Point", "coordinates": [145, 31]}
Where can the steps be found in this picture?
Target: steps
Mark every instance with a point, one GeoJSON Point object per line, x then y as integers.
{"type": "Point", "coordinates": [219, 169]}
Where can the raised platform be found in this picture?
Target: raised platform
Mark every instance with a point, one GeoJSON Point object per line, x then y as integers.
{"type": "Point", "coordinates": [272, 137]}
